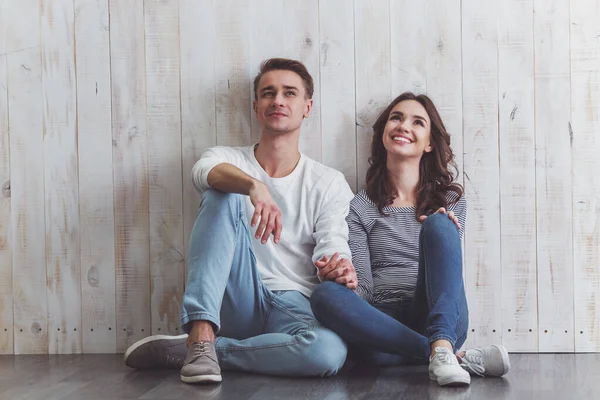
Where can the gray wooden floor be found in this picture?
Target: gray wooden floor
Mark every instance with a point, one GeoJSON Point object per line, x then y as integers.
{"type": "Point", "coordinates": [91, 377]}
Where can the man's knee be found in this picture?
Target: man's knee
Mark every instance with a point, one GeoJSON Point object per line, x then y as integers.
{"type": "Point", "coordinates": [325, 352]}
{"type": "Point", "coordinates": [215, 203]}
{"type": "Point", "coordinates": [216, 198]}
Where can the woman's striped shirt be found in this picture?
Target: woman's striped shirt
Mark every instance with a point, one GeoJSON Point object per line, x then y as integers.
{"type": "Point", "coordinates": [385, 249]}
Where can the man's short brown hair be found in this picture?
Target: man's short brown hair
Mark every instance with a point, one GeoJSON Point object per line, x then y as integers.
{"type": "Point", "coordinates": [284, 64]}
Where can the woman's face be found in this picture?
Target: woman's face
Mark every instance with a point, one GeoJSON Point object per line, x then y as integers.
{"type": "Point", "coordinates": [407, 132]}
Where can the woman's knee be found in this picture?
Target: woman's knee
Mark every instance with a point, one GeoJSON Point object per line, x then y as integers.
{"type": "Point", "coordinates": [439, 225]}
{"type": "Point", "coordinates": [324, 296]}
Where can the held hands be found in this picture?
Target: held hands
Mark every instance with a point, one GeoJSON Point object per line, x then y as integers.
{"type": "Point", "coordinates": [442, 210]}
{"type": "Point", "coordinates": [267, 211]}
{"type": "Point", "coordinates": [339, 270]}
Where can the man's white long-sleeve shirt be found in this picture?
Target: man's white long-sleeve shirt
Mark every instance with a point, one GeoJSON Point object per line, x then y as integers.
{"type": "Point", "coordinates": [314, 202]}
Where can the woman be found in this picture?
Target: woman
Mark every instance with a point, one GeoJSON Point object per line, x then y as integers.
{"type": "Point", "coordinates": [405, 238]}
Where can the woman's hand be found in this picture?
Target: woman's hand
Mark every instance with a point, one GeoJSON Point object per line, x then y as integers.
{"type": "Point", "coordinates": [338, 270]}
{"type": "Point", "coordinates": [442, 210]}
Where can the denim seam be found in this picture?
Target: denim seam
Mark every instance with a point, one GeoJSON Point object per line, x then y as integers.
{"type": "Point", "coordinates": [268, 346]}
{"type": "Point", "coordinates": [442, 337]}
{"type": "Point", "coordinates": [187, 318]}
{"type": "Point", "coordinates": [266, 320]}
{"type": "Point", "coordinates": [293, 315]}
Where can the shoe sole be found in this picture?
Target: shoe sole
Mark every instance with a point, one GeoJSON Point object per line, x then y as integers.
{"type": "Point", "coordinates": [452, 381]}
{"type": "Point", "coordinates": [505, 358]}
{"type": "Point", "coordinates": [201, 378]}
{"type": "Point", "coordinates": [149, 339]}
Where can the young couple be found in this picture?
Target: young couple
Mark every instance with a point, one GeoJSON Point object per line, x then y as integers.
{"type": "Point", "coordinates": [288, 270]}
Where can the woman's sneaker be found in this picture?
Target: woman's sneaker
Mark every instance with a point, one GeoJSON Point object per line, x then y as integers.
{"type": "Point", "coordinates": [486, 361]}
{"type": "Point", "coordinates": [445, 369]}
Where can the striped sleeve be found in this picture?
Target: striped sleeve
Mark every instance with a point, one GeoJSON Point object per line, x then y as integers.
{"type": "Point", "coordinates": [359, 247]}
{"type": "Point", "coordinates": [460, 209]}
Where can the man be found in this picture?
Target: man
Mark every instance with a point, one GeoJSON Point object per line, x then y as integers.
{"type": "Point", "coordinates": [269, 215]}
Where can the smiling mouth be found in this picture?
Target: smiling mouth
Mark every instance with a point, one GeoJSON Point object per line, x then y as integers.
{"type": "Point", "coordinates": [401, 139]}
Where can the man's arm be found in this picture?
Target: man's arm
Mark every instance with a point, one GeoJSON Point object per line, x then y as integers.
{"type": "Point", "coordinates": [215, 170]}
{"type": "Point", "coordinates": [332, 254]}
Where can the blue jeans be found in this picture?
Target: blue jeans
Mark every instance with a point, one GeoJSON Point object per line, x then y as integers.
{"type": "Point", "coordinates": [257, 330]}
{"type": "Point", "coordinates": [382, 336]}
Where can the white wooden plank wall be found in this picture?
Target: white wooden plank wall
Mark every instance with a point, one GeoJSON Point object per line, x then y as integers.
{"type": "Point", "coordinates": [59, 116]}
{"type": "Point", "coordinates": [106, 105]}
{"type": "Point", "coordinates": [480, 129]}
{"type": "Point", "coordinates": [28, 228]}
{"type": "Point", "coordinates": [6, 299]}
{"type": "Point", "coordinates": [553, 176]}
{"type": "Point", "coordinates": [517, 174]}
{"type": "Point", "coordinates": [96, 190]}
{"type": "Point", "coordinates": [585, 126]}
{"type": "Point", "coordinates": [130, 158]}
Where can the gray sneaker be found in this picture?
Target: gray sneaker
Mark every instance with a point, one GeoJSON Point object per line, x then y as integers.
{"type": "Point", "coordinates": [486, 361]}
{"type": "Point", "coordinates": [159, 351]}
{"type": "Point", "coordinates": [201, 364]}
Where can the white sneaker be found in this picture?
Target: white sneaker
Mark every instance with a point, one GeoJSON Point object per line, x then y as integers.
{"type": "Point", "coordinates": [445, 369]}
{"type": "Point", "coordinates": [486, 361]}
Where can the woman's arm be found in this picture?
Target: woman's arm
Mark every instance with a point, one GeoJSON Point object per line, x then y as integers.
{"type": "Point", "coordinates": [361, 259]}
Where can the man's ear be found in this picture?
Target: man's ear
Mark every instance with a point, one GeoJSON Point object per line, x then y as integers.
{"type": "Point", "coordinates": [254, 105]}
{"type": "Point", "coordinates": [307, 108]}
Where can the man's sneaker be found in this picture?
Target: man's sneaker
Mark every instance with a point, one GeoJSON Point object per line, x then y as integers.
{"type": "Point", "coordinates": [486, 361]}
{"type": "Point", "coordinates": [201, 364]}
{"type": "Point", "coordinates": [444, 368]}
{"type": "Point", "coordinates": [159, 351]}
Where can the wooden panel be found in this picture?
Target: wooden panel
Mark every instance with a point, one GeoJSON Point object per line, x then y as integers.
{"type": "Point", "coordinates": [233, 104]}
{"type": "Point", "coordinates": [6, 298]}
{"type": "Point", "coordinates": [585, 121]}
{"type": "Point", "coordinates": [409, 31]}
{"type": "Point", "coordinates": [444, 79]}
{"type": "Point", "coordinates": [130, 155]}
{"type": "Point", "coordinates": [59, 114]}
{"type": "Point", "coordinates": [96, 191]}
{"type": "Point", "coordinates": [480, 124]}
{"type": "Point", "coordinates": [444, 69]}
{"type": "Point", "coordinates": [302, 43]}
{"type": "Point", "coordinates": [373, 75]}
{"type": "Point", "coordinates": [265, 17]}
{"type": "Point", "coordinates": [27, 171]}
{"type": "Point", "coordinates": [338, 105]}
{"type": "Point", "coordinates": [164, 148]}
{"type": "Point", "coordinates": [274, 34]}
{"type": "Point", "coordinates": [517, 175]}
{"type": "Point", "coordinates": [197, 19]}
{"type": "Point", "coordinates": [553, 176]}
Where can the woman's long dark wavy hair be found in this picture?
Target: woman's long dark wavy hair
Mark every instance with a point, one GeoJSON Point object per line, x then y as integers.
{"type": "Point", "coordinates": [435, 179]}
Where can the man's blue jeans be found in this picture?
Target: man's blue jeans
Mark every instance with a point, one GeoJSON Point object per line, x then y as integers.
{"type": "Point", "coordinates": [257, 330]}
{"type": "Point", "coordinates": [383, 336]}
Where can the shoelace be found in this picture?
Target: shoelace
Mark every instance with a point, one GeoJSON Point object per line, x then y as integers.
{"type": "Point", "coordinates": [473, 361]}
{"type": "Point", "coordinates": [444, 355]}
{"type": "Point", "coordinates": [173, 361]}
{"type": "Point", "coordinates": [201, 349]}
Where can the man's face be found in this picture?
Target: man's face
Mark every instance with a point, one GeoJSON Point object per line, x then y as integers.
{"type": "Point", "coordinates": [282, 103]}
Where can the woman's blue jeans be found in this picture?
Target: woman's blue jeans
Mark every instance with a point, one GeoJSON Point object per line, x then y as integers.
{"type": "Point", "coordinates": [383, 336]}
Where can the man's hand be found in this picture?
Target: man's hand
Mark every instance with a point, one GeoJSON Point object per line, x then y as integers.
{"type": "Point", "coordinates": [265, 210]}
{"type": "Point", "coordinates": [339, 270]}
{"type": "Point", "coordinates": [442, 210]}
